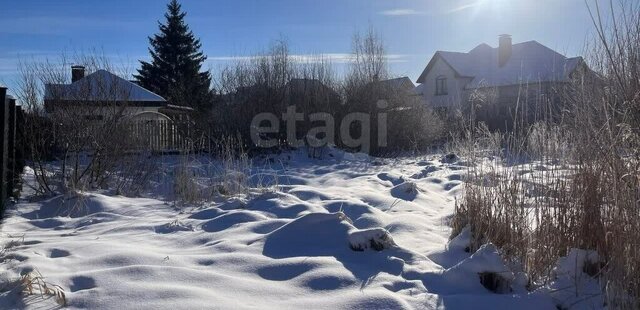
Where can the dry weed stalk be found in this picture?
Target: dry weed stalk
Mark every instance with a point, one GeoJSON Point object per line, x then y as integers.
{"type": "Point", "coordinates": [34, 283]}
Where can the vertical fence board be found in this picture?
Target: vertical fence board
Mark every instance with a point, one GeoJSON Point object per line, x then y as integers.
{"type": "Point", "coordinates": [20, 144]}
{"type": "Point", "coordinates": [162, 135]}
{"type": "Point", "coordinates": [4, 114]}
{"type": "Point", "coordinates": [11, 146]}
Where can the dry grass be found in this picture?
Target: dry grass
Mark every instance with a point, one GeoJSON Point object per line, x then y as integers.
{"type": "Point", "coordinates": [33, 283]}
{"type": "Point", "coordinates": [185, 184]}
{"type": "Point", "coordinates": [537, 211]}
{"type": "Point", "coordinates": [229, 172]}
{"type": "Point", "coordinates": [577, 181]}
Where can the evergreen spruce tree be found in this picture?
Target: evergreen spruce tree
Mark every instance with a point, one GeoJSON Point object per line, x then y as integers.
{"type": "Point", "coordinates": [176, 61]}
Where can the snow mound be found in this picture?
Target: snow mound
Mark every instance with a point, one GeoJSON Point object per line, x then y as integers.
{"type": "Point", "coordinates": [575, 286]}
{"type": "Point", "coordinates": [457, 250]}
{"type": "Point", "coordinates": [314, 234]}
{"type": "Point", "coordinates": [406, 191]}
{"type": "Point", "coordinates": [358, 213]}
{"type": "Point", "coordinates": [576, 261]}
{"type": "Point", "coordinates": [462, 240]}
{"type": "Point", "coordinates": [485, 265]}
{"type": "Point", "coordinates": [288, 248]}
{"type": "Point", "coordinates": [74, 206]}
{"type": "Point", "coordinates": [486, 259]}
{"type": "Point", "coordinates": [231, 219]}
{"type": "Point", "coordinates": [374, 238]}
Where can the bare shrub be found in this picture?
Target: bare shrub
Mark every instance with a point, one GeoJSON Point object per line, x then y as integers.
{"type": "Point", "coordinates": [249, 87]}
{"type": "Point", "coordinates": [87, 150]}
{"type": "Point", "coordinates": [399, 119]}
{"type": "Point", "coordinates": [275, 81]}
{"type": "Point", "coordinates": [133, 173]}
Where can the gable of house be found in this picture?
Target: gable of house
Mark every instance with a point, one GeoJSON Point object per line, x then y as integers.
{"type": "Point", "coordinates": [454, 83]}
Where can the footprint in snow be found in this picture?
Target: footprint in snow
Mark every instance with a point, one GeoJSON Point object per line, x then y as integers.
{"type": "Point", "coordinates": [450, 185]}
{"type": "Point", "coordinates": [55, 253]}
{"type": "Point", "coordinates": [328, 282]}
{"type": "Point", "coordinates": [395, 179]}
{"type": "Point", "coordinates": [424, 172]}
{"type": "Point", "coordinates": [79, 283]}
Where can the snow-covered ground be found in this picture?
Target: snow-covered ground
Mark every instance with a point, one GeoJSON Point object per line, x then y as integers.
{"type": "Point", "coordinates": [344, 232]}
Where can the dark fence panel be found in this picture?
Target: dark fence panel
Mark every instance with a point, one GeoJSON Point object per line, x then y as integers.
{"type": "Point", "coordinates": [4, 146]}
{"type": "Point", "coordinates": [12, 163]}
{"type": "Point", "coordinates": [11, 147]}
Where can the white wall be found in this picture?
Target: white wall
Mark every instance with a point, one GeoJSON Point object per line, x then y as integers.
{"type": "Point", "coordinates": [455, 86]}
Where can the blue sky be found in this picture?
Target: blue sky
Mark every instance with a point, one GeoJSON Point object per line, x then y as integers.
{"type": "Point", "coordinates": [411, 29]}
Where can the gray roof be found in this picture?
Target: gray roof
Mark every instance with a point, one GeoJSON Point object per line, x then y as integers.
{"type": "Point", "coordinates": [397, 84]}
{"type": "Point", "coordinates": [529, 62]}
{"type": "Point", "coordinates": [101, 85]}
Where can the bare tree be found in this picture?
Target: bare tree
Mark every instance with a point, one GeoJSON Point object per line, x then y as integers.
{"type": "Point", "coordinates": [369, 58]}
{"type": "Point", "coordinates": [82, 126]}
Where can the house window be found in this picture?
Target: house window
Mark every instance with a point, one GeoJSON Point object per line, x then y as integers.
{"type": "Point", "coordinates": [441, 86]}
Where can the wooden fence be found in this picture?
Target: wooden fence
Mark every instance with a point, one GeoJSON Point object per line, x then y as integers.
{"type": "Point", "coordinates": [162, 135]}
{"type": "Point", "coordinates": [12, 163]}
{"type": "Point", "coordinates": [156, 135]}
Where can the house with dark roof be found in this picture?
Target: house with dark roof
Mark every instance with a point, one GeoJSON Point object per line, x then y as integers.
{"type": "Point", "coordinates": [523, 72]}
{"type": "Point", "coordinates": [392, 95]}
{"type": "Point", "coordinates": [400, 86]}
{"type": "Point", "coordinates": [310, 95]}
{"type": "Point", "coordinates": [102, 92]}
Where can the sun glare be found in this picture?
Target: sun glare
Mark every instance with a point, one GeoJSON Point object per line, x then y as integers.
{"type": "Point", "coordinates": [492, 5]}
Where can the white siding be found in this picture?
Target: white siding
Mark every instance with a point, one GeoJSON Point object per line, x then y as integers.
{"type": "Point", "coordinates": [455, 86]}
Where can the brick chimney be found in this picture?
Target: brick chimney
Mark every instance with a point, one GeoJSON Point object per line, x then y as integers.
{"type": "Point", "coordinates": [504, 49]}
{"type": "Point", "coordinates": [77, 72]}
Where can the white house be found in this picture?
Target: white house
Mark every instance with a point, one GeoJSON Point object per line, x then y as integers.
{"type": "Point", "coordinates": [102, 92]}
{"type": "Point", "coordinates": [451, 77]}
{"type": "Point", "coordinates": [103, 96]}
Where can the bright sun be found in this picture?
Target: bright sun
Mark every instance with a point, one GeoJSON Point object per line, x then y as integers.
{"type": "Point", "coordinates": [491, 4]}
{"type": "Point", "coordinates": [493, 7]}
